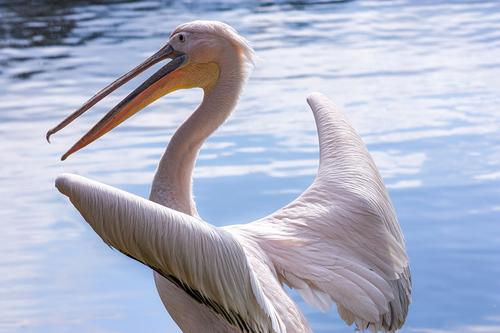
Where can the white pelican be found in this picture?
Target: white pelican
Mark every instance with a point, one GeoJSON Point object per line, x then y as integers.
{"type": "Point", "coordinates": [340, 241]}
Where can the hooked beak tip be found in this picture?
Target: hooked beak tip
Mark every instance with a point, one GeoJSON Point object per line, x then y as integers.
{"type": "Point", "coordinates": [47, 136]}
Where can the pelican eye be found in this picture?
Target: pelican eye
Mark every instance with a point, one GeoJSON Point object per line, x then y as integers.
{"type": "Point", "coordinates": [182, 38]}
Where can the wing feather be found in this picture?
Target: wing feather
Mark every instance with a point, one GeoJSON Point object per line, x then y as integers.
{"type": "Point", "coordinates": [205, 261]}
{"type": "Point", "coordinates": [341, 238]}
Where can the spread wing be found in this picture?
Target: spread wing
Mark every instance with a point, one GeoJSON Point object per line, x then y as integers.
{"type": "Point", "coordinates": [205, 261]}
{"type": "Point", "coordinates": [340, 240]}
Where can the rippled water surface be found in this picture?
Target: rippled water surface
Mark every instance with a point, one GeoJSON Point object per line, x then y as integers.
{"type": "Point", "coordinates": [419, 80]}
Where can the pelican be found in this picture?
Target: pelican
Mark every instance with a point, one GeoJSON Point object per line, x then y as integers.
{"type": "Point", "coordinates": [339, 241]}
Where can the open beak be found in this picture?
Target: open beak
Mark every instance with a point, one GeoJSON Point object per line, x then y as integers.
{"type": "Point", "coordinates": [160, 83]}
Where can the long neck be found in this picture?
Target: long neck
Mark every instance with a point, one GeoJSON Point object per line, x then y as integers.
{"type": "Point", "coordinates": [172, 185]}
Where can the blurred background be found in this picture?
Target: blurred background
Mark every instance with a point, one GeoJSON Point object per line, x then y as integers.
{"type": "Point", "coordinates": [419, 80]}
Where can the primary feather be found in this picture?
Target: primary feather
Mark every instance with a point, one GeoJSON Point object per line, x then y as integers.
{"type": "Point", "coordinates": [207, 262]}
{"type": "Point", "coordinates": [340, 240]}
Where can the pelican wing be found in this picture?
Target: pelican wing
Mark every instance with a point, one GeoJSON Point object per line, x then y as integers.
{"type": "Point", "coordinates": [340, 240]}
{"type": "Point", "coordinates": [207, 262]}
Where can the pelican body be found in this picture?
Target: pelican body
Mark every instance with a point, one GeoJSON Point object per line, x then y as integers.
{"type": "Point", "coordinates": [339, 241]}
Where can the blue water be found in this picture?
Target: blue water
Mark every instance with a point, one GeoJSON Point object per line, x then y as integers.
{"type": "Point", "coordinates": [419, 80]}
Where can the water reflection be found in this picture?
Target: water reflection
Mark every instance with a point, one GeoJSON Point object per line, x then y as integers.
{"type": "Point", "coordinates": [418, 80]}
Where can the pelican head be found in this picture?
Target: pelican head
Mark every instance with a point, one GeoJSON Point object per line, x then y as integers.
{"type": "Point", "coordinates": [198, 52]}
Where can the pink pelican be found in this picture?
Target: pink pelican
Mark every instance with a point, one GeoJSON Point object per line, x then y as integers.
{"type": "Point", "coordinates": [339, 241]}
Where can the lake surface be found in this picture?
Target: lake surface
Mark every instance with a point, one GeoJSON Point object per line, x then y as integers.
{"type": "Point", "coordinates": [419, 80]}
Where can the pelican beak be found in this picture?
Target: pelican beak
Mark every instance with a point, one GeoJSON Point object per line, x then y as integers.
{"type": "Point", "coordinates": [160, 83]}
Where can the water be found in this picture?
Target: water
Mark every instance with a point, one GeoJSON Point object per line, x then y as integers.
{"type": "Point", "coordinates": [420, 81]}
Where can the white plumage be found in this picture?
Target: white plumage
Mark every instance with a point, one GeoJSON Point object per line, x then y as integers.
{"type": "Point", "coordinates": [181, 248]}
{"type": "Point", "coordinates": [338, 242]}
{"type": "Point", "coordinates": [343, 231]}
